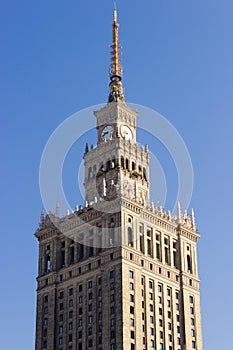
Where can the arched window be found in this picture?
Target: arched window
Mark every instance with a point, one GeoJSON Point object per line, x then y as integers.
{"type": "Point", "coordinates": [122, 162]}
{"type": "Point", "coordinates": [48, 263]}
{"type": "Point", "coordinates": [144, 174]}
{"type": "Point", "coordinates": [130, 236]}
{"type": "Point", "coordinates": [189, 263]}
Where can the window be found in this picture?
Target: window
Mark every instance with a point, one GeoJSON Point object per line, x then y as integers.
{"type": "Point", "coordinates": [100, 327]}
{"type": "Point", "coordinates": [45, 344]}
{"type": "Point", "coordinates": [131, 309]}
{"type": "Point", "coordinates": [178, 329]}
{"type": "Point", "coordinates": [80, 311]}
{"type": "Point", "coordinates": [46, 309]}
{"type": "Point", "coordinates": [70, 314]}
{"type": "Point", "coordinates": [80, 322]}
{"type": "Point", "coordinates": [169, 326]}
{"type": "Point", "coordinates": [112, 322]}
{"type": "Point", "coordinates": [61, 318]}
{"type": "Point", "coordinates": [90, 331]}
{"type": "Point", "coordinates": [169, 314]}
{"type": "Point", "coordinates": [113, 346]}
{"type": "Point", "coordinates": [132, 334]}
{"type": "Point", "coordinates": [132, 322]}
{"type": "Point", "coordinates": [90, 307]}
{"type": "Point", "coordinates": [45, 322]}
{"type": "Point", "coordinates": [80, 334]}
{"type": "Point", "coordinates": [61, 306]}
{"type": "Point", "coordinates": [151, 296]}
{"type": "Point", "coordinates": [160, 346]}
{"type": "Point", "coordinates": [191, 310]}
{"type": "Point", "coordinates": [169, 303]}
{"type": "Point", "coordinates": [90, 296]}
{"type": "Point", "coordinates": [150, 284]}
{"type": "Point", "coordinates": [61, 295]}
{"type": "Point", "coordinates": [80, 299]}
{"type": "Point", "coordinates": [90, 343]}
{"type": "Point", "coordinates": [46, 298]}
{"type": "Point", "coordinates": [192, 332]}
{"type": "Point", "coordinates": [168, 291]}
{"type": "Point", "coordinates": [161, 335]}
{"type": "Point", "coordinates": [151, 331]}
{"type": "Point", "coordinates": [90, 319]}
{"type": "Point", "coordinates": [151, 319]}
{"type": "Point", "coordinates": [112, 297]}
{"type": "Point", "coordinates": [100, 316]}
{"type": "Point", "coordinates": [191, 299]}
{"type": "Point", "coordinates": [99, 280]}
{"type": "Point", "coordinates": [80, 288]}
{"type": "Point", "coordinates": [160, 311]}
{"type": "Point", "coordinates": [90, 284]}
{"type": "Point", "coordinates": [70, 347]}
{"type": "Point", "coordinates": [111, 274]}
{"type": "Point", "coordinates": [130, 274]}
{"type": "Point", "coordinates": [177, 295]}
{"type": "Point", "coordinates": [193, 344]}
{"type": "Point", "coordinates": [159, 288]}
{"type": "Point", "coordinates": [131, 298]}
{"type": "Point", "coordinates": [60, 329]}
{"type": "Point", "coordinates": [131, 286]}
{"type": "Point", "coordinates": [170, 337]}
{"type": "Point", "coordinates": [160, 322]}
{"type": "Point", "coordinates": [60, 341]}
{"type": "Point", "coordinates": [71, 303]}
{"type": "Point", "coordinates": [70, 326]}
{"type": "Point", "coordinates": [178, 341]}
{"type": "Point", "coordinates": [151, 307]}
{"type": "Point", "coordinates": [112, 286]}
{"type": "Point", "coordinates": [70, 337]}
{"type": "Point", "coordinates": [152, 343]}
{"type": "Point", "coordinates": [177, 307]}
{"type": "Point", "coordinates": [71, 291]}
{"type": "Point", "coordinates": [192, 321]}
{"type": "Point", "coordinates": [112, 310]}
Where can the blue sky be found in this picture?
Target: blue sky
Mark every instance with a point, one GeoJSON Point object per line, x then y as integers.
{"type": "Point", "coordinates": [177, 58]}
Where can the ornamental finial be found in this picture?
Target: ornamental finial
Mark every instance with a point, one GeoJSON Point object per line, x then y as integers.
{"type": "Point", "coordinates": [116, 71]}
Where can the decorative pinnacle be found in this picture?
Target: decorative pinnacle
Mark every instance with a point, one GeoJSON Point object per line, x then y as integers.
{"type": "Point", "coordinates": [116, 72]}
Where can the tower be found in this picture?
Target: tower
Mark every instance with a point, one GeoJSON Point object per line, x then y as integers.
{"type": "Point", "coordinates": [118, 273]}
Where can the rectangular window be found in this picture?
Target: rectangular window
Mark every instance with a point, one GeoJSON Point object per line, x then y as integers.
{"type": "Point", "coordinates": [150, 284]}
{"type": "Point", "coordinates": [70, 314]}
{"type": "Point", "coordinates": [130, 274]}
{"type": "Point", "coordinates": [90, 296]}
{"type": "Point", "coordinates": [111, 274]}
{"type": "Point", "coordinates": [61, 295]}
{"type": "Point", "coordinates": [191, 299]}
{"type": "Point", "coordinates": [46, 298]}
{"type": "Point", "coordinates": [71, 291]}
{"type": "Point", "coordinates": [132, 335]}
{"type": "Point", "coordinates": [131, 298]}
{"type": "Point", "coordinates": [132, 322]}
{"type": "Point", "coordinates": [193, 344]}
{"type": "Point", "coordinates": [131, 309]}
{"type": "Point", "coordinates": [71, 303]}
{"type": "Point", "coordinates": [89, 284]}
{"type": "Point", "coordinates": [131, 286]}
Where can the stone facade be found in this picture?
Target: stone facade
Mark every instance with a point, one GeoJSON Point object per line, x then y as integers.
{"type": "Point", "coordinates": [118, 274]}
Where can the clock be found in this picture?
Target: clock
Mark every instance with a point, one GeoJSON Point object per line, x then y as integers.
{"type": "Point", "coordinates": [107, 132]}
{"type": "Point", "coordinates": [126, 132]}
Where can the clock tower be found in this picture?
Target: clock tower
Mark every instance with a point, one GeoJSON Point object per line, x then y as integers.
{"type": "Point", "coordinates": [118, 166]}
{"type": "Point", "coordinates": [117, 273]}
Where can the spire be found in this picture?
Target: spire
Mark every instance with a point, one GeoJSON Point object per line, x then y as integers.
{"type": "Point", "coordinates": [116, 72]}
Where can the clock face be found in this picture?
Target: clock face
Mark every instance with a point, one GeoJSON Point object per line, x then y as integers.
{"type": "Point", "coordinates": [107, 132]}
{"type": "Point", "coordinates": [126, 132]}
